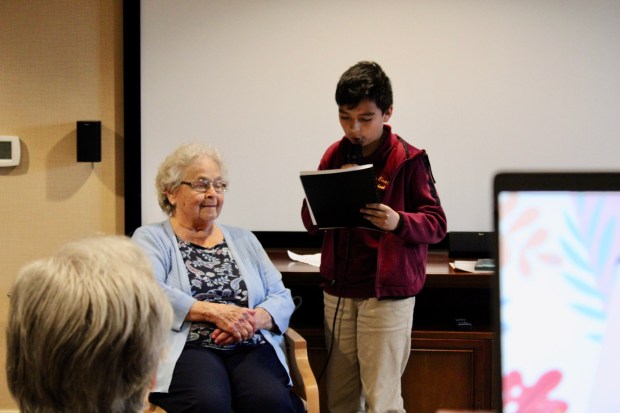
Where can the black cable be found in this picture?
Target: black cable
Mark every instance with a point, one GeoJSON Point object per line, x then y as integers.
{"type": "Point", "coordinates": [341, 286]}
{"type": "Point", "coordinates": [331, 344]}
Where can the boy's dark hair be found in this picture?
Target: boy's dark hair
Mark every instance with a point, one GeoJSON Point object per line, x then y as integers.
{"type": "Point", "coordinates": [364, 80]}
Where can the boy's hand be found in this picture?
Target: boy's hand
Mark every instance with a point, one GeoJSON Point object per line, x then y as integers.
{"type": "Point", "coordinates": [382, 216]}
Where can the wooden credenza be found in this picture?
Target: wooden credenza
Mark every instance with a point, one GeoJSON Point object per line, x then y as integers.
{"type": "Point", "coordinates": [450, 365]}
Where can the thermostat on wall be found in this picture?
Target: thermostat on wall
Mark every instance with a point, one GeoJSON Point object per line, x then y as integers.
{"type": "Point", "coordinates": [10, 151]}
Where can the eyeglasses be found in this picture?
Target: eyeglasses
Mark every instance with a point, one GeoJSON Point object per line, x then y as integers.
{"type": "Point", "coordinates": [203, 185]}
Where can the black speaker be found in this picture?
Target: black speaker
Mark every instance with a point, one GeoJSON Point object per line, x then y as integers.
{"type": "Point", "coordinates": [89, 141]}
{"type": "Point", "coordinates": [466, 244]}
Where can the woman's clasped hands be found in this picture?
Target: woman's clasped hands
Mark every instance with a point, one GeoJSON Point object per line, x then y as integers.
{"type": "Point", "coordinates": [234, 323]}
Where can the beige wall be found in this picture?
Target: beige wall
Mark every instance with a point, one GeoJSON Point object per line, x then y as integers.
{"type": "Point", "coordinates": [60, 62]}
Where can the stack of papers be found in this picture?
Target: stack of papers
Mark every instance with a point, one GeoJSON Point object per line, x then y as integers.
{"type": "Point", "coordinates": [471, 266]}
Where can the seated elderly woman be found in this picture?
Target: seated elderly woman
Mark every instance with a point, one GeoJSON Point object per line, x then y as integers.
{"type": "Point", "coordinates": [230, 305]}
{"type": "Point", "coordinates": [85, 329]}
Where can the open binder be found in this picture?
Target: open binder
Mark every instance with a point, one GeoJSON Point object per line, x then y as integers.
{"type": "Point", "coordinates": [335, 196]}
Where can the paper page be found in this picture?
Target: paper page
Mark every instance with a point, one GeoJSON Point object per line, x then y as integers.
{"type": "Point", "coordinates": [312, 259]}
{"type": "Point", "coordinates": [332, 171]}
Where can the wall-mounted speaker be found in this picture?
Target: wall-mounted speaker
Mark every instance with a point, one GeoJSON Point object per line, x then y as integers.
{"type": "Point", "coordinates": [89, 141]}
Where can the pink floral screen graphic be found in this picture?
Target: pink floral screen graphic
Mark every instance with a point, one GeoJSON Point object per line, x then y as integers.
{"type": "Point", "coordinates": [560, 301]}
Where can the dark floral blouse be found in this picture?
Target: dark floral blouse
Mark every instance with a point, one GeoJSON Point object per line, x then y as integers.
{"type": "Point", "coordinates": [214, 276]}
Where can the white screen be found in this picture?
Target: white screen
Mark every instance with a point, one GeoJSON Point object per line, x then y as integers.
{"type": "Point", "coordinates": [481, 85]}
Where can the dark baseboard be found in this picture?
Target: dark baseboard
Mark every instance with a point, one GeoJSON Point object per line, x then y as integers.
{"type": "Point", "coordinates": [288, 239]}
{"type": "Point", "coordinates": [301, 239]}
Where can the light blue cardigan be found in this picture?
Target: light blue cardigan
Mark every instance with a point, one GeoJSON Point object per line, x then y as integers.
{"type": "Point", "coordinates": [263, 280]}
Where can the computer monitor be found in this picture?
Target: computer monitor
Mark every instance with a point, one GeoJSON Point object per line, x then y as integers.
{"type": "Point", "coordinates": [558, 292]}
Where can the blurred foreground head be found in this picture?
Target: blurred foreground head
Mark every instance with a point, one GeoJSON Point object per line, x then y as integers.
{"type": "Point", "coordinates": [86, 329]}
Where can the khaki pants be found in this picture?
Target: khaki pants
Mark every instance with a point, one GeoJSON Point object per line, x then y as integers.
{"type": "Point", "coordinates": [369, 355]}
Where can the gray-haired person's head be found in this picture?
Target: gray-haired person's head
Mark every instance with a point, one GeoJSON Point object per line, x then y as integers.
{"type": "Point", "coordinates": [86, 329]}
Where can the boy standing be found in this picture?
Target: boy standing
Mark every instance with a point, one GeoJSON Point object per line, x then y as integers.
{"type": "Point", "coordinates": [372, 277]}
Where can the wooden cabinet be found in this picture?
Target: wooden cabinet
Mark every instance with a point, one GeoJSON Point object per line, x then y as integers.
{"type": "Point", "coordinates": [450, 366]}
{"type": "Point", "coordinates": [448, 370]}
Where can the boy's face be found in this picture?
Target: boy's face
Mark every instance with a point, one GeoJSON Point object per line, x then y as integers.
{"type": "Point", "coordinates": [363, 124]}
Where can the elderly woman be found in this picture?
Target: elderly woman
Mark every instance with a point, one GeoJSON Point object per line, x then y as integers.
{"type": "Point", "coordinates": [230, 305]}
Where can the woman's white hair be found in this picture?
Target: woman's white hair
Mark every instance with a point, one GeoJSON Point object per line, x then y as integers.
{"type": "Point", "coordinates": [172, 170]}
{"type": "Point", "coordinates": [86, 329]}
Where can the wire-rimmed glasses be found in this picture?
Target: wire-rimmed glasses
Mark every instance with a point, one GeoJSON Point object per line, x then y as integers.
{"type": "Point", "coordinates": [202, 185]}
